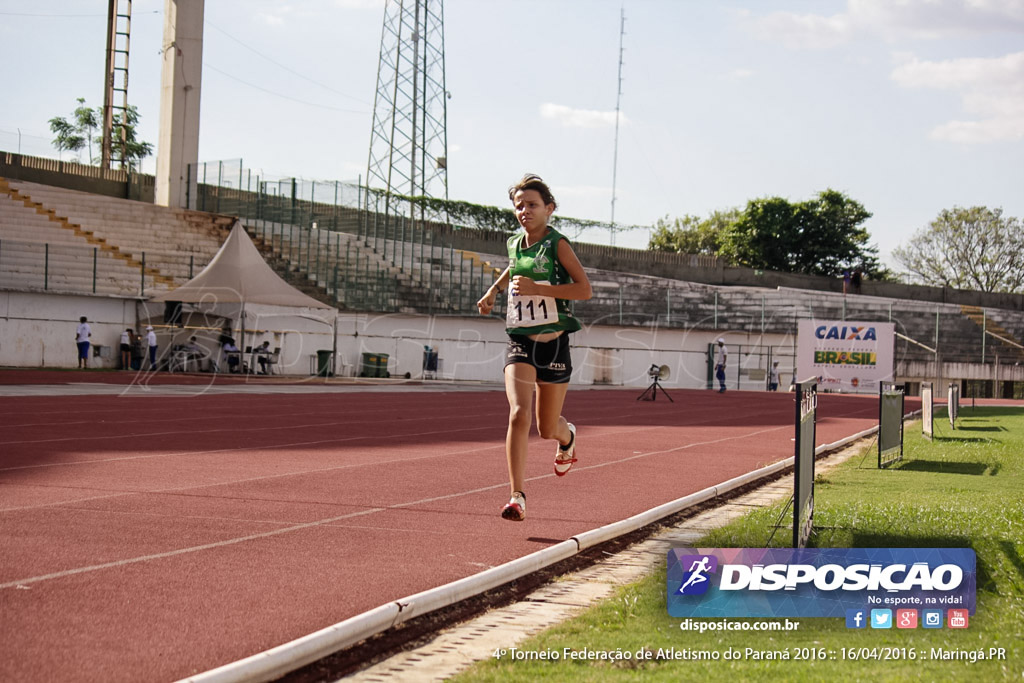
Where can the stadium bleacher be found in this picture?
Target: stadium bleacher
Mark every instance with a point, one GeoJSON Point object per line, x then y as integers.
{"type": "Point", "coordinates": [62, 240]}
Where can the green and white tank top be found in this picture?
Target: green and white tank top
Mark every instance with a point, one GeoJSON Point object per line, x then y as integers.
{"type": "Point", "coordinates": [539, 262]}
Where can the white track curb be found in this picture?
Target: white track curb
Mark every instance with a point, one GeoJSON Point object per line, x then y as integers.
{"type": "Point", "coordinates": [276, 662]}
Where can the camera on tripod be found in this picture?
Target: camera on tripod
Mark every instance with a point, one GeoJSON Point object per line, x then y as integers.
{"type": "Point", "coordinates": [656, 373]}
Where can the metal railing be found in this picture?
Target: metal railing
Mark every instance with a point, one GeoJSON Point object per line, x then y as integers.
{"type": "Point", "coordinates": [60, 267]}
{"type": "Point", "coordinates": [398, 260]}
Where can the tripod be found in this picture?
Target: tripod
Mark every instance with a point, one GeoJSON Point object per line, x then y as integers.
{"type": "Point", "coordinates": [651, 393]}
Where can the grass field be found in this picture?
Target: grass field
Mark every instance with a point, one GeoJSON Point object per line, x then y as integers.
{"type": "Point", "coordinates": [964, 489]}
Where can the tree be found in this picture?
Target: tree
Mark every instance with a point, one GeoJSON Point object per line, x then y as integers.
{"type": "Point", "coordinates": [821, 236]}
{"type": "Point", "coordinates": [134, 150]}
{"type": "Point", "coordinates": [974, 248]}
{"type": "Point", "coordinates": [691, 235]}
{"type": "Point", "coordinates": [76, 134]}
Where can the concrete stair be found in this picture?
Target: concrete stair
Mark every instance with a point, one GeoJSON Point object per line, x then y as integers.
{"type": "Point", "coordinates": [362, 266]}
{"type": "Point", "coordinates": [20, 194]}
{"type": "Point", "coordinates": [41, 252]}
{"type": "Point", "coordinates": [365, 273]}
{"type": "Point", "coordinates": [174, 244]}
{"type": "Point", "coordinates": [999, 340]}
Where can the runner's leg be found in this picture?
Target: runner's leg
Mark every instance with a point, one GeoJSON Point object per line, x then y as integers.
{"type": "Point", "coordinates": [550, 422]}
{"type": "Point", "coordinates": [520, 380]}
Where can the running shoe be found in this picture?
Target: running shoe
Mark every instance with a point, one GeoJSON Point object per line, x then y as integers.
{"type": "Point", "coordinates": [515, 511]}
{"type": "Point", "coordinates": [565, 457]}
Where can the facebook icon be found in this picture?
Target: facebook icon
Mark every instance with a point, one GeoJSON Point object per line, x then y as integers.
{"type": "Point", "coordinates": [856, 618]}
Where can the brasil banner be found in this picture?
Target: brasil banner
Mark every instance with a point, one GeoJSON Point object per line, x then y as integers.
{"type": "Point", "coordinates": [845, 355]}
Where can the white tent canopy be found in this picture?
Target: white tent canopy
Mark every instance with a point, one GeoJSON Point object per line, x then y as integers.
{"type": "Point", "coordinates": [238, 280]}
{"type": "Point", "coordinates": [238, 274]}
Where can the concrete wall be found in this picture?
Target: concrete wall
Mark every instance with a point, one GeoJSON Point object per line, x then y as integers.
{"type": "Point", "coordinates": [918, 370]}
{"type": "Point", "coordinates": [80, 177]}
{"type": "Point", "coordinates": [474, 349]}
{"type": "Point", "coordinates": [37, 330]}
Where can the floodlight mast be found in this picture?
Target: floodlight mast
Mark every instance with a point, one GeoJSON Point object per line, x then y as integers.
{"type": "Point", "coordinates": [408, 153]}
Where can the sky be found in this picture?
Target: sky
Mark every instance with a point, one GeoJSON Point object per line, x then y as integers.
{"type": "Point", "coordinates": [909, 107]}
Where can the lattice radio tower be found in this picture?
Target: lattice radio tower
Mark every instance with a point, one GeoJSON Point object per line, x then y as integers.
{"type": "Point", "coordinates": [409, 140]}
{"type": "Point", "coordinates": [618, 109]}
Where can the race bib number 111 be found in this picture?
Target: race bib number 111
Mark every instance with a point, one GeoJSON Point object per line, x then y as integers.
{"type": "Point", "coordinates": [530, 311]}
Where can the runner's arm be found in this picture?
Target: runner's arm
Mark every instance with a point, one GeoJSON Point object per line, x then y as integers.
{"type": "Point", "coordinates": [486, 303]}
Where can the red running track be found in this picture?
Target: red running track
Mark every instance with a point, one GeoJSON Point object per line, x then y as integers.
{"type": "Point", "coordinates": [152, 538]}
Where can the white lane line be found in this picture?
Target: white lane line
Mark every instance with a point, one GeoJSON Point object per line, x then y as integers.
{"type": "Point", "coordinates": [747, 417]}
{"type": "Point", "coordinates": [331, 520]}
{"type": "Point", "coordinates": [70, 503]}
{"type": "Point", "coordinates": [296, 444]}
{"type": "Point", "coordinates": [158, 415]}
{"type": "Point", "coordinates": [234, 429]}
{"type": "Point", "coordinates": [185, 490]}
{"type": "Point", "coordinates": [181, 551]}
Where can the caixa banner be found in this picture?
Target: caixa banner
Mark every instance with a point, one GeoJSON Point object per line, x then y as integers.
{"type": "Point", "coordinates": [844, 355]}
{"type": "Point", "coordinates": [816, 582]}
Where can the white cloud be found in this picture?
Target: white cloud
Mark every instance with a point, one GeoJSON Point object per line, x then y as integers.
{"type": "Point", "coordinates": [975, 132]}
{"type": "Point", "coordinates": [580, 118]}
{"type": "Point", "coordinates": [939, 18]}
{"type": "Point", "coordinates": [891, 20]}
{"type": "Point", "coordinates": [741, 73]}
{"type": "Point", "coordinates": [273, 19]}
{"type": "Point", "coordinates": [359, 4]}
{"type": "Point", "coordinates": [1006, 71]}
{"type": "Point", "coordinates": [584, 191]}
{"type": "Point", "coordinates": [990, 89]}
{"type": "Point", "coordinates": [811, 31]}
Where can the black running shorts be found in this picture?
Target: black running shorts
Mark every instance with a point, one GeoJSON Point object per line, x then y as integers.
{"type": "Point", "coordinates": [551, 359]}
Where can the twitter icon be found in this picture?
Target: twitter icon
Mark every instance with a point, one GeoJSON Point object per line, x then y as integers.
{"type": "Point", "coordinates": [881, 618]}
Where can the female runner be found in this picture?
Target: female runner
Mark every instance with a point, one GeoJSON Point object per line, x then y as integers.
{"type": "Point", "coordinates": [542, 277]}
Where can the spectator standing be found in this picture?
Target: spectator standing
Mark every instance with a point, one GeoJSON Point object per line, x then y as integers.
{"type": "Point", "coordinates": [773, 377]}
{"type": "Point", "coordinates": [151, 343]}
{"type": "Point", "coordinates": [138, 350]}
{"type": "Point", "coordinates": [127, 342]}
{"type": "Point", "coordinates": [720, 361]}
{"type": "Point", "coordinates": [82, 335]}
{"type": "Point", "coordinates": [855, 280]}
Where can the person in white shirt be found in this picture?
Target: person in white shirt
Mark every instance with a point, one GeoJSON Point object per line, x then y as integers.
{"type": "Point", "coordinates": [773, 377]}
{"type": "Point", "coordinates": [232, 354]}
{"type": "Point", "coordinates": [127, 339]}
{"type": "Point", "coordinates": [262, 356]}
{"type": "Point", "coordinates": [723, 353]}
{"type": "Point", "coordinates": [82, 340]}
{"type": "Point", "coordinates": [151, 343]}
